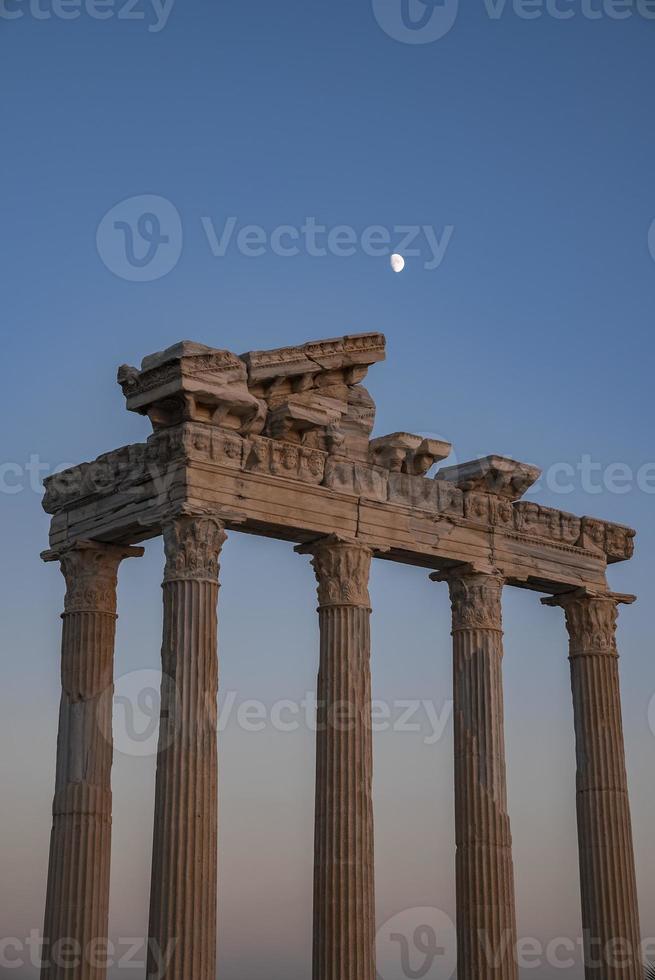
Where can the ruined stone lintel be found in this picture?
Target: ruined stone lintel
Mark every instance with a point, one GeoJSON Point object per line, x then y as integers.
{"type": "Point", "coordinates": [344, 892]}
{"type": "Point", "coordinates": [183, 892]}
{"type": "Point", "coordinates": [486, 912]}
{"type": "Point", "coordinates": [135, 485]}
{"type": "Point", "coordinates": [309, 394]}
{"type": "Point", "coordinates": [77, 896]}
{"type": "Point", "coordinates": [610, 913]}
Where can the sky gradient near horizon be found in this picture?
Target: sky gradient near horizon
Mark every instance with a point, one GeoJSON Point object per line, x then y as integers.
{"type": "Point", "coordinates": [521, 151]}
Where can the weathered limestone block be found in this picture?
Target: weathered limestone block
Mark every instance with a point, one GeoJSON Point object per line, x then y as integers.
{"type": "Point", "coordinates": [402, 452]}
{"type": "Point", "coordinates": [201, 441]}
{"type": "Point", "coordinates": [497, 475]}
{"type": "Point", "coordinates": [190, 381]}
{"type": "Point", "coordinates": [555, 525]}
{"type": "Point", "coordinates": [610, 915]}
{"type": "Point", "coordinates": [614, 540]}
{"type": "Point", "coordinates": [313, 392]}
{"type": "Point", "coordinates": [357, 478]}
{"type": "Point", "coordinates": [413, 491]}
{"type": "Point", "coordinates": [274, 458]}
{"type": "Point", "coordinates": [104, 475]}
{"type": "Point", "coordinates": [619, 542]}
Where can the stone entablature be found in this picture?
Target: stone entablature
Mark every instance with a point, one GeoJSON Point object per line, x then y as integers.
{"type": "Point", "coordinates": [278, 442]}
{"type": "Point", "coordinates": [131, 472]}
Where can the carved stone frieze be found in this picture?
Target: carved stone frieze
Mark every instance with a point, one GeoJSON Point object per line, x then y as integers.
{"type": "Point", "coordinates": [532, 519]}
{"type": "Point", "coordinates": [274, 458]}
{"type": "Point", "coordinates": [420, 493]}
{"type": "Point", "coordinates": [356, 478]}
{"type": "Point", "coordinates": [199, 441]}
{"type": "Point", "coordinates": [192, 545]}
{"type": "Point", "coordinates": [342, 571]}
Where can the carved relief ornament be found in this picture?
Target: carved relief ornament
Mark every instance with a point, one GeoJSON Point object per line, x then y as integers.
{"type": "Point", "coordinates": [342, 570]}
{"type": "Point", "coordinates": [475, 598]}
{"type": "Point", "coordinates": [192, 545]}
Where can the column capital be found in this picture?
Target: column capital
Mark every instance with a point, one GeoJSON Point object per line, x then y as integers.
{"type": "Point", "coordinates": [90, 569]}
{"type": "Point", "coordinates": [342, 567]}
{"type": "Point", "coordinates": [192, 544]}
{"type": "Point", "coordinates": [475, 595]}
{"type": "Point", "coordinates": [591, 619]}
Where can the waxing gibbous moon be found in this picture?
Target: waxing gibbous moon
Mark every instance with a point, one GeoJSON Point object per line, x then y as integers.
{"type": "Point", "coordinates": [397, 262]}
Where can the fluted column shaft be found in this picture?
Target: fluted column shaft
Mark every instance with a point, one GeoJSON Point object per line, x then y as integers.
{"type": "Point", "coordinates": [344, 898]}
{"type": "Point", "coordinates": [77, 898]}
{"type": "Point", "coordinates": [183, 890]}
{"type": "Point", "coordinates": [486, 914]}
{"type": "Point", "coordinates": [610, 917]}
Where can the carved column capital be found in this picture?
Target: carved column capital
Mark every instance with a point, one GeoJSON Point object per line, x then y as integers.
{"type": "Point", "coordinates": [90, 569]}
{"type": "Point", "coordinates": [342, 569]}
{"type": "Point", "coordinates": [590, 620]}
{"type": "Point", "coordinates": [475, 597]}
{"type": "Point", "coordinates": [192, 544]}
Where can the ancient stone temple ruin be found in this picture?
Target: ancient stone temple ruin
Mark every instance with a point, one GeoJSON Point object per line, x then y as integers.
{"type": "Point", "coordinates": [278, 443]}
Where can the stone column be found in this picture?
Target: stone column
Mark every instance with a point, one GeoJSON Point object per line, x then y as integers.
{"type": "Point", "coordinates": [77, 898]}
{"type": "Point", "coordinates": [182, 928]}
{"type": "Point", "coordinates": [610, 917]}
{"type": "Point", "coordinates": [344, 898]}
{"type": "Point", "coordinates": [486, 915]}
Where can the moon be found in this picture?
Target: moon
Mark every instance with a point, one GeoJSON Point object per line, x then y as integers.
{"type": "Point", "coordinates": [397, 262]}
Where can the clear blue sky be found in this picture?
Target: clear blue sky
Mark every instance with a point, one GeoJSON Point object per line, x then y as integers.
{"type": "Point", "coordinates": [533, 140]}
